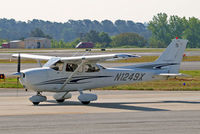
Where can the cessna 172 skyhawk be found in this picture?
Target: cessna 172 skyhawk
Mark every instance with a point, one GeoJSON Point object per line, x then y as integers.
{"type": "Point", "coordinates": [63, 75]}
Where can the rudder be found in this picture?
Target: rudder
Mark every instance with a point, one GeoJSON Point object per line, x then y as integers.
{"type": "Point", "coordinates": [173, 55]}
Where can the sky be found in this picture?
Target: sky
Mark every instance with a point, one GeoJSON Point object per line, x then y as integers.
{"type": "Point", "coordinates": [63, 10]}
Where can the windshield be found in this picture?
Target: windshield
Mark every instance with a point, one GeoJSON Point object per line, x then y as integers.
{"type": "Point", "coordinates": [58, 66]}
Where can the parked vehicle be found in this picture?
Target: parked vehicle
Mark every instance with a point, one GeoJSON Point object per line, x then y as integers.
{"type": "Point", "coordinates": [85, 45]}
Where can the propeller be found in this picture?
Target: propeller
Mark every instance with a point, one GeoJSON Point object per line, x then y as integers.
{"type": "Point", "coordinates": [18, 71]}
{"type": "Point", "coordinates": [19, 64]}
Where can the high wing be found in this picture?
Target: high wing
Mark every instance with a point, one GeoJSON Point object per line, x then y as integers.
{"type": "Point", "coordinates": [97, 58]}
{"type": "Point", "coordinates": [31, 56]}
{"type": "Point", "coordinates": [78, 59]}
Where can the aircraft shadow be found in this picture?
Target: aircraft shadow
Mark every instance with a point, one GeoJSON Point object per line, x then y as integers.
{"type": "Point", "coordinates": [117, 105]}
{"type": "Point", "coordinates": [114, 105]}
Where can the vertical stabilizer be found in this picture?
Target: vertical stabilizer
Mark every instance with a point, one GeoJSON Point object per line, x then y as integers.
{"type": "Point", "coordinates": [173, 55]}
{"type": "Point", "coordinates": [174, 52]}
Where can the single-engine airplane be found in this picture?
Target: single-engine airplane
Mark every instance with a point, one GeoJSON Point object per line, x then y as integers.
{"type": "Point", "coordinates": [63, 75]}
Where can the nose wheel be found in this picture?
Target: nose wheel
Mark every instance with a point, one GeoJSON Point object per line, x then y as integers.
{"type": "Point", "coordinates": [35, 103]}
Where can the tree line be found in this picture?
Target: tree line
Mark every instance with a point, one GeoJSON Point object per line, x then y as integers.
{"type": "Point", "coordinates": [156, 33]}
{"type": "Point", "coordinates": [165, 28]}
{"type": "Point", "coordinates": [103, 40]}
{"type": "Point", "coordinates": [11, 29]}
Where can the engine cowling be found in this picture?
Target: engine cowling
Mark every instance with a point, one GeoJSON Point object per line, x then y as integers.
{"type": "Point", "coordinates": [87, 97]}
{"type": "Point", "coordinates": [59, 96]}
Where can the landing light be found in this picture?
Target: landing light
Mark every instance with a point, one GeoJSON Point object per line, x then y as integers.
{"type": "Point", "coordinates": [2, 76]}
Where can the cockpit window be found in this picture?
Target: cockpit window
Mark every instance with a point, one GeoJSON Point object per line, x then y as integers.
{"type": "Point", "coordinates": [58, 66]}
{"type": "Point", "coordinates": [70, 67]}
{"type": "Point", "coordinates": [91, 68]}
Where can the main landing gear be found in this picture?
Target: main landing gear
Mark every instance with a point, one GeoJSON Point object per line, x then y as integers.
{"type": "Point", "coordinates": [85, 98]}
{"type": "Point", "coordinates": [60, 101]}
{"type": "Point", "coordinates": [60, 97]}
{"type": "Point", "coordinates": [85, 102]}
{"type": "Point", "coordinates": [36, 99]}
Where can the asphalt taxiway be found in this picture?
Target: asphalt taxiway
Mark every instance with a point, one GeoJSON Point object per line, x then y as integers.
{"type": "Point", "coordinates": [115, 112]}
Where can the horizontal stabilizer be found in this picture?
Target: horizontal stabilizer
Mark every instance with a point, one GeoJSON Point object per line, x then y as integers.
{"type": "Point", "coordinates": [170, 75]}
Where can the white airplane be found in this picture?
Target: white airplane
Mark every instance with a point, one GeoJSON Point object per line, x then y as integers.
{"type": "Point", "coordinates": [63, 75]}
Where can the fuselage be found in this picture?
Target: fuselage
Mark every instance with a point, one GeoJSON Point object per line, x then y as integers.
{"type": "Point", "coordinates": [50, 80]}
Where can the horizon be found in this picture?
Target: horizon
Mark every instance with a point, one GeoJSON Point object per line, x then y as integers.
{"type": "Point", "coordinates": [69, 20]}
{"type": "Point", "coordinates": [63, 10]}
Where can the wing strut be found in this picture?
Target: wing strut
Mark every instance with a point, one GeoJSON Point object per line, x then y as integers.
{"type": "Point", "coordinates": [72, 74]}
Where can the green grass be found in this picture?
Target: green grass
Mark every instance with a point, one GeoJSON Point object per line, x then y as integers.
{"type": "Point", "coordinates": [193, 73]}
{"type": "Point", "coordinates": [192, 83]}
{"type": "Point", "coordinates": [10, 83]}
{"type": "Point", "coordinates": [24, 61]}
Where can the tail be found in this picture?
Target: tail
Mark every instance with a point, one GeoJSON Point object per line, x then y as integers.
{"type": "Point", "coordinates": [172, 56]}
{"type": "Point", "coordinates": [170, 59]}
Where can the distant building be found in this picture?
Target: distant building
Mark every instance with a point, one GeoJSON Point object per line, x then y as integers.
{"type": "Point", "coordinates": [13, 44]}
{"type": "Point", "coordinates": [31, 42]}
{"type": "Point", "coordinates": [16, 44]}
{"type": "Point", "coordinates": [37, 42]}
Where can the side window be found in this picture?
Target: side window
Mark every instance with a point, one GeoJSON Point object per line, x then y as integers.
{"type": "Point", "coordinates": [91, 68]}
{"type": "Point", "coordinates": [58, 66]}
{"type": "Point", "coordinates": [70, 67]}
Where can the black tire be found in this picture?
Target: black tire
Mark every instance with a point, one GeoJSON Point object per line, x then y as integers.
{"type": "Point", "coordinates": [36, 103]}
{"type": "Point", "coordinates": [85, 102]}
{"type": "Point", "coordinates": [87, 49]}
{"type": "Point", "coordinates": [60, 101]}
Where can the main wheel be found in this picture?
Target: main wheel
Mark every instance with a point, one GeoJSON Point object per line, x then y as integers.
{"type": "Point", "coordinates": [85, 102]}
{"type": "Point", "coordinates": [60, 101]}
{"type": "Point", "coordinates": [36, 103]}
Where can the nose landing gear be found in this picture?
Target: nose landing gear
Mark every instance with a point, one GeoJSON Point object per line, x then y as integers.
{"type": "Point", "coordinates": [36, 99]}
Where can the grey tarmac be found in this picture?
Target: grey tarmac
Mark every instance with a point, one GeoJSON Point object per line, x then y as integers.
{"type": "Point", "coordinates": [165, 122]}
{"type": "Point", "coordinates": [115, 112]}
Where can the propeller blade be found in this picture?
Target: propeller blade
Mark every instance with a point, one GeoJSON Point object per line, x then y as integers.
{"type": "Point", "coordinates": [19, 64]}
{"type": "Point", "coordinates": [18, 74]}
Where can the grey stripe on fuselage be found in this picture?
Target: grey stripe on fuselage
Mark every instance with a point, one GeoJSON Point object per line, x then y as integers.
{"type": "Point", "coordinates": [155, 66]}
{"type": "Point", "coordinates": [73, 81]}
